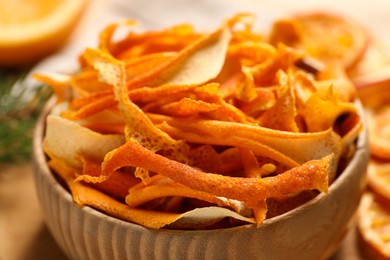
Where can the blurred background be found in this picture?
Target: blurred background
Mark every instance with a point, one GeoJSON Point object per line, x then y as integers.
{"type": "Point", "coordinates": [39, 36]}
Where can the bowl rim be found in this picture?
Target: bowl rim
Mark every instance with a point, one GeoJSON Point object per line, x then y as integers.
{"type": "Point", "coordinates": [41, 162]}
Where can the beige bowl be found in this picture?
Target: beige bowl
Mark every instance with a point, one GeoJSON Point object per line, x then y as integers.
{"type": "Point", "coordinates": [311, 231]}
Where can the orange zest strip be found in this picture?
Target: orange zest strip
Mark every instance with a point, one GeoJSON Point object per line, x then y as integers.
{"type": "Point", "coordinates": [85, 195]}
{"type": "Point", "coordinates": [188, 107]}
{"type": "Point", "coordinates": [94, 145]}
{"type": "Point", "coordinates": [323, 109]}
{"type": "Point", "coordinates": [117, 185]}
{"type": "Point", "coordinates": [88, 105]}
{"type": "Point", "coordinates": [310, 175]}
{"type": "Point", "coordinates": [174, 39]}
{"type": "Point", "coordinates": [225, 112]}
{"type": "Point", "coordinates": [88, 196]}
{"type": "Point", "coordinates": [147, 94]}
{"type": "Point", "coordinates": [251, 56]}
{"type": "Point", "coordinates": [178, 71]}
{"type": "Point", "coordinates": [160, 187]}
{"type": "Point", "coordinates": [265, 99]}
{"type": "Point", "coordinates": [87, 83]}
{"type": "Point", "coordinates": [58, 82]}
{"type": "Point", "coordinates": [137, 69]}
{"type": "Point", "coordinates": [250, 163]}
{"type": "Point", "coordinates": [92, 108]}
{"type": "Point", "coordinates": [230, 161]}
{"type": "Point", "coordinates": [299, 147]}
{"type": "Point", "coordinates": [230, 140]}
{"type": "Point", "coordinates": [105, 37]}
{"type": "Point", "coordinates": [282, 115]}
{"type": "Point", "coordinates": [84, 100]}
{"type": "Point", "coordinates": [260, 211]}
{"type": "Point", "coordinates": [205, 158]}
{"type": "Point", "coordinates": [138, 125]}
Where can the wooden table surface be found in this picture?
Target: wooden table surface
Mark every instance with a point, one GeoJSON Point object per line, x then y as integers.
{"type": "Point", "coordinates": [23, 234]}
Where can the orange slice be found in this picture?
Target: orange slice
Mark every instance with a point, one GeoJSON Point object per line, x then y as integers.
{"type": "Point", "coordinates": [378, 177]}
{"type": "Point", "coordinates": [374, 226]}
{"type": "Point", "coordinates": [330, 38]}
{"type": "Point", "coordinates": [30, 30]}
{"type": "Point", "coordinates": [341, 39]}
{"type": "Point", "coordinates": [378, 123]}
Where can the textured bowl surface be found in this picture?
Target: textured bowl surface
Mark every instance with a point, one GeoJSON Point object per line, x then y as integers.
{"type": "Point", "coordinates": [311, 231]}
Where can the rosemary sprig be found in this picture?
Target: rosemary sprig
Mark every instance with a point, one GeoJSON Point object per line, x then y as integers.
{"type": "Point", "coordinates": [19, 108]}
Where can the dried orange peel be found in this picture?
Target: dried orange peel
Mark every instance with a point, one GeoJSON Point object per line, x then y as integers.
{"type": "Point", "coordinates": [206, 128]}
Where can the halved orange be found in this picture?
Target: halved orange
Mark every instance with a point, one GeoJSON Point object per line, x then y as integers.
{"type": "Point", "coordinates": [30, 30]}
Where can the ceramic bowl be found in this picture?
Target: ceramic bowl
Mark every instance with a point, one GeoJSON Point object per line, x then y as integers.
{"type": "Point", "coordinates": [311, 231]}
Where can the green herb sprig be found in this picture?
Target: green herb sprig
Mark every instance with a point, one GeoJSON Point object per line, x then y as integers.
{"type": "Point", "coordinates": [20, 106]}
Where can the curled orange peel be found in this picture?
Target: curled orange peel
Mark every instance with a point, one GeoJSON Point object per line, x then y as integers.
{"type": "Point", "coordinates": [58, 82]}
{"type": "Point", "coordinates": [117, 185]}
{"type": "Point", "coordinates": [297, 146]}
{"type": "Point", "coordinates": [282, 115]}
{"type": "Point", "coordinates": [85, 195]}
{"type": "Point", "coordinates": [88, 196]}
{"type": "Point", "coordinates": [138, 126]}
{"type": "Point", "coordinates": [162, 187]}
{"type": "Point", "coordinates": [322, 110]}
{"type": "Point", "coordinates": [174, 39]}
{"type": "Point", "coordinates": [94, 145]}
{"type": "Point", "coordinates": [86, 106]}
{"type": "Point", "coordinates": [310, 175]}
{"type": "Point", "coordinates": [208, 49]}
{"type": "Point", "coordinates": [105, 36]}
{"type": "Point", "coordinates": [137, 68]}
